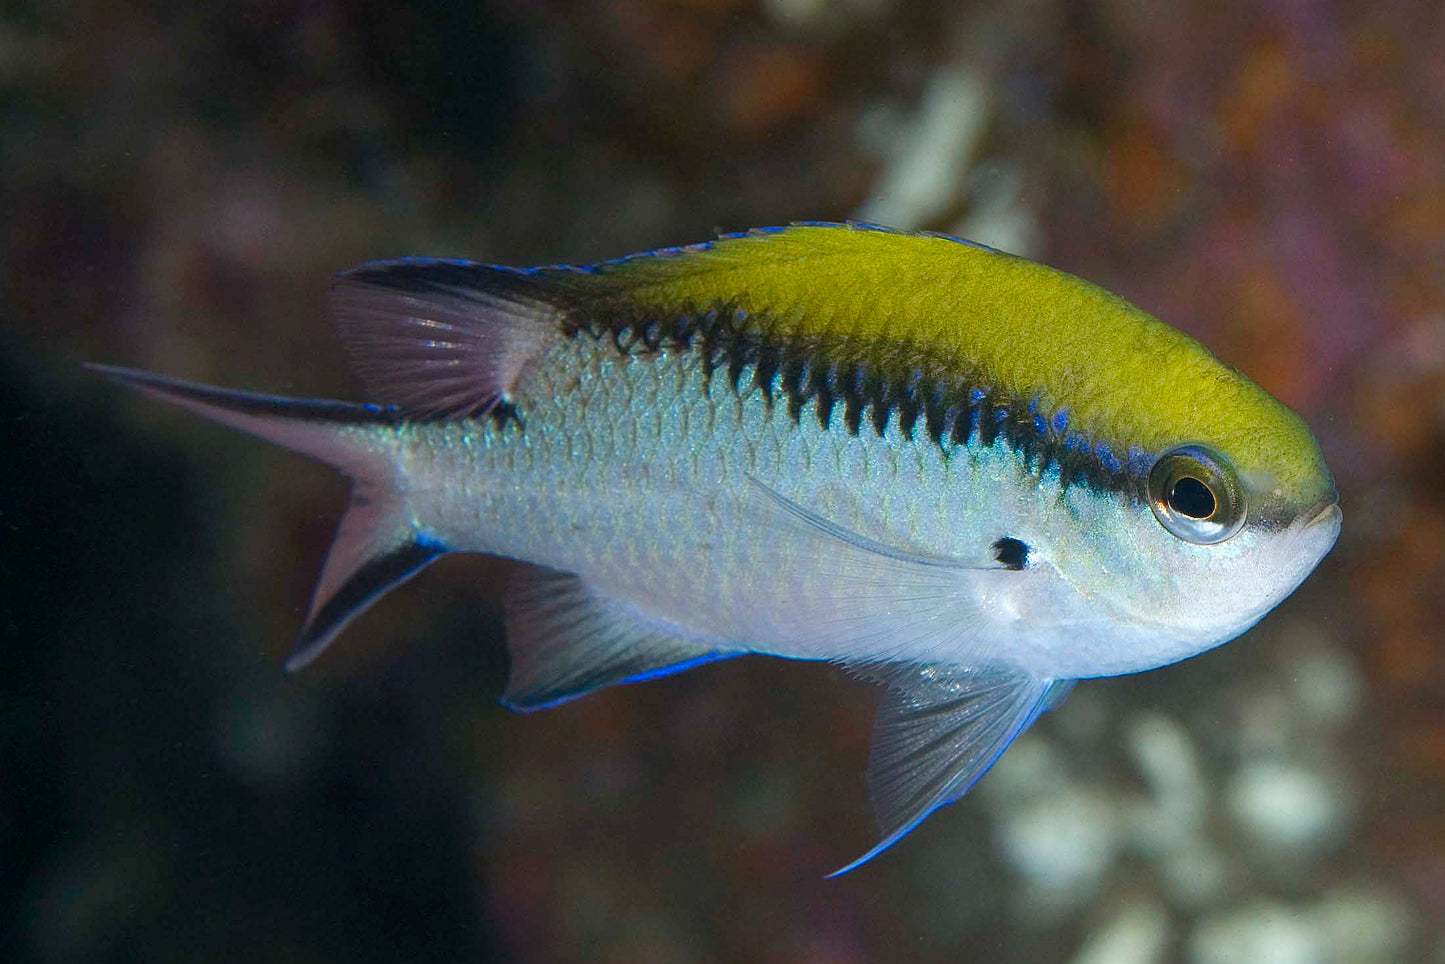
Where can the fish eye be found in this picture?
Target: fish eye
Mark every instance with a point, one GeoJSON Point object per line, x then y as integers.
{"type": "Point", "coordinates": [1196, 495]}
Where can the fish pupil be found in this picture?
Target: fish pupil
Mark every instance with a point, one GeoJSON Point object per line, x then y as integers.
{"type": "Point", "coordinates": [1192, 498]}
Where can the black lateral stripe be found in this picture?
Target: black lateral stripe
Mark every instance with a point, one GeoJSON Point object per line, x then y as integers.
{"type": "Point", "coordinates": [795, 384]}
{"type": "Point", "coordinates": [909, 403]}
{"type": "Point", "coordinates": [986, 421]}
{"type": "Point", "coordinates": [952, 409]}
{"type": "Point", "coordinates": [737, 362]}
{"type": "Point", "coordinates": [824, 407]}
{"type": "Point", "coordinates": [852, 407]}
{"type": "Point", "coordinates": [880, 404]}
{"type": "Point", "coordinates": [935, 415]}
{"type": "Point", "coordinates": [960, 423]}
{"type": "Point", "coordinates": [765, 371]}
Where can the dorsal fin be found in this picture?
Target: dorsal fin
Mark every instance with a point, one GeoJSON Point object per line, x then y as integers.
{"type": "Point", "coordinates": [442, 339]}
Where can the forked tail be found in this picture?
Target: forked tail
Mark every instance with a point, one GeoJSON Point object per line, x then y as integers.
{"type": "Point", "coordinates": [377, 546]}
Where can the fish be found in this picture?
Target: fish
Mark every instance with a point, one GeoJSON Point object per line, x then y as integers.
{"type": "Point", "coordinates": [964, 475]}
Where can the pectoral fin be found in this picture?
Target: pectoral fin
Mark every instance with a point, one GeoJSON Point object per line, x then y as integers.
{"type": "Point", "coordinates": [940, 729]}
{"type": "Point", "coordinates": [833, 538]}
{"type": "Point", "coordinates": [566, 640]}
{"type": "Point", "coordinates": [873, 601]}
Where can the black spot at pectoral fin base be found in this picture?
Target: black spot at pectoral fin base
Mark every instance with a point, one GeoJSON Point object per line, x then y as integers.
{"type": "Point", "coordinates": [1011, 553]}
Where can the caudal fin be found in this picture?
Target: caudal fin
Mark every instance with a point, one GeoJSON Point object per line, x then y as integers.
{"type": "Point", "coordinates": [377, 547]}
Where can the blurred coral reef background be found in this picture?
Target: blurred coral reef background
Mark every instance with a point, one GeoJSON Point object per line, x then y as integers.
{"type": "Point", "coordinates": [179, 181]}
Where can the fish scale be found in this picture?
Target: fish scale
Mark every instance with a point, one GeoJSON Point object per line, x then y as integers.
{"type": "Point", "coordinates": [951, 470]}
{"type": "Point", "coordinates": [624, 518]}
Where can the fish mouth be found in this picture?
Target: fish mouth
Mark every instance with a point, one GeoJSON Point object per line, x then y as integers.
{"type": "Point", "coordinates": [1329, 513]}
{"type": "Point", "coordinates": [1326, 517]}
{"type": "Point", "coordinates": [1314, 534]}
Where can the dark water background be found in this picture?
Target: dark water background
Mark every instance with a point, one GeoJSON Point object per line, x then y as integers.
{"type": "Point", "coordinates": [178, 181]}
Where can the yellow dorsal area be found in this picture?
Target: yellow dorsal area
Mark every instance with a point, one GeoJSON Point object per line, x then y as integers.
{"type": "Point", "coordinates": [901, 302]}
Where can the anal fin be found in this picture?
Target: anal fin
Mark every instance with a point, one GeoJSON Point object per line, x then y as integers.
{"type": "Point", "coordinates": [566, 640]}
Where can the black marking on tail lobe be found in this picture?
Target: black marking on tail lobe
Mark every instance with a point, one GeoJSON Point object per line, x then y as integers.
{"type": "Point", "coordinates": [251, 403]}
{"type": "Point", "coordinates": [377, 545]}
{"type": "Point", "coordinates": [365, 586]}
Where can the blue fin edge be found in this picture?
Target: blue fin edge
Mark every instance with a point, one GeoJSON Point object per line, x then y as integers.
{"type": "Point", "coordinates": [643, 677]}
